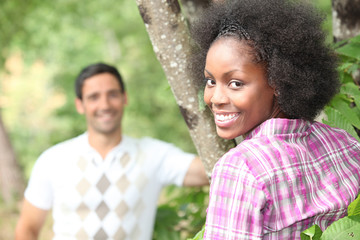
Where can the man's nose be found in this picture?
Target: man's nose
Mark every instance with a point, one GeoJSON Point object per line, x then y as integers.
{"type": "Point", "coordinates": [104, 102]}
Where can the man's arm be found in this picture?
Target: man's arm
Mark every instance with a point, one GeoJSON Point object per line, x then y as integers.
{"type": "Point", "coordinates": [30, 222]}
{"type": "Point", "coordinates": [196, 174]}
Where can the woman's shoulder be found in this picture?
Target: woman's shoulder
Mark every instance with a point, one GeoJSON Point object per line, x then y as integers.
{"type": "Point", "coordinates": [255, 156]}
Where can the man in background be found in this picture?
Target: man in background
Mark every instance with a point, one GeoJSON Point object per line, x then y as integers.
{"type": "Point", "coordinates": [103, 184]}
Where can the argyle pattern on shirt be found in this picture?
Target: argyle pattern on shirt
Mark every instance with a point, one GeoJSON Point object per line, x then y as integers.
{"type": "Point", "coordinates": [112, 198]}
{"type": "Point", "coordinates": [104, 203]}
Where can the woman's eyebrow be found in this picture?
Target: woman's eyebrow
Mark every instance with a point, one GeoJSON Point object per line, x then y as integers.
{"type": "Point", "coordinates": [209, 73]}
{"type": "Point", "coordinates": [227, 73]}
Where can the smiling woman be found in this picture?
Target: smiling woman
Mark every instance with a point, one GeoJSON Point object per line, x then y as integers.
{"type": "Point", "coordinates": [268, 73]}
{"type": "Point", "coordinates": [236, 89]}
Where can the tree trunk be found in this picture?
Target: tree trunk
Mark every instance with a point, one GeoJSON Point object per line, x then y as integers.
{"type": "Point", "coordinates": [346, 22]}
{"type": "Point", "coordinates": [346, 19]}
{"type": "Point", "coordinates": [191, 7]}
{"type": "Point", "coordinates": [168, 33]}
{"type": "Point", "coordinates": [11, 180]}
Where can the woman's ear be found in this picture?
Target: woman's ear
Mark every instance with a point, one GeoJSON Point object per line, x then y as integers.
{"type": "Point", "coordinates": [79, 106]}
{"type": "Point", "coordinates": [276, 92]}
{"type": "Point", "coordinates": [274, 88]}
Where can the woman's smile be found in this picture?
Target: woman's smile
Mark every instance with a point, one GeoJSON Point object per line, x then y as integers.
{"type": "Point", "coordinates": [225, 119]}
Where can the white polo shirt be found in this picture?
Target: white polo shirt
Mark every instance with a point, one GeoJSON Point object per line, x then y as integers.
{"type": "Point", "coordinates": [115, 198]}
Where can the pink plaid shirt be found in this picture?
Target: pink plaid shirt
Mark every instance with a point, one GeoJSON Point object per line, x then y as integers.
{"type": "Point", "coordinates": [284, 177]}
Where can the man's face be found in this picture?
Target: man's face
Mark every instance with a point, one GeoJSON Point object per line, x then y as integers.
{"type": "Point", "coordinates": [102, 104]}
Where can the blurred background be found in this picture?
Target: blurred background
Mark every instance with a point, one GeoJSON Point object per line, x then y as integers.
{"type": "Point", "coordinates": [44, 45]}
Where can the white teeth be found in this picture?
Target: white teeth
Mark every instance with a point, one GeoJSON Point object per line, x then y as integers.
{"type": "Point", "coordinates": [222, 117]}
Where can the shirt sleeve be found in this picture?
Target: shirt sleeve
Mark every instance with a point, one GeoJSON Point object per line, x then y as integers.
{"type": "Point", "coordinates": [236, 202]}
{"type": "Point", "coordinates": [39, 191]}
{"type": "Point", "coordinates": [173, 162]}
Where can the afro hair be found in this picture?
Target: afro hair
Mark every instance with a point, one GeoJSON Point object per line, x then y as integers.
{"type": "Point", "coordinates": [287, 37]}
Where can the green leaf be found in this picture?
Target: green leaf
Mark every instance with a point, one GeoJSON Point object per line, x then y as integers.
{"type": "Point", "coordinates": [312, 233]}
{"type": "Point", "coordinates": [354, 207]}
{"type": "Point", "coordinates": [345, 66]}
{"type": "Point", "coordinates": [354, 68]}
{"type": "Point", "coordinates": [353, 91]}
{"type": "Point", "coordinates": [165, 234]}
{"type": "Point", "coordinates": [355, 39]}
{"type": "Point", "coordinates": [199, 235]}
{"type": "Point", "coordinates": [336, 119]}
{"type": "Point", "coordinates": [340, 43]}
{"type": "Point", "coordinates": [343, 229]}
{"type": "Point", "coordinates": [345, 77]}
{"type": "Point", "coordinates": [340, 104]}
{"type": "Point", "coordinates": [351, 49]}
{"type": "Point", "coordinates": [351, 88]}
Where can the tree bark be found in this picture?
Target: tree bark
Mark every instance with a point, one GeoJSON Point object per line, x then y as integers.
{"type": "Point", "coordinates": [346, 19]}
{"type": "Point", "coordinates": [169, 35]}
{"type": "Point", "coordinates": [346, 23]}
{"type": "Point", "coordinates": [191, 7]}
{"type": "Point", "coordinates": [11, 181]}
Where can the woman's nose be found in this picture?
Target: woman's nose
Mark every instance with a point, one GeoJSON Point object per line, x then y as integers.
{"type": "Point", "coordinates": [219, 96]}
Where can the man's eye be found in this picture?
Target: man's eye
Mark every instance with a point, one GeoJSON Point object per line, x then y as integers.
{"type": "Point", "coordinates": [236, 84]}
{"type": "Point", "coordinates": [92, 97]}
{"type": "Point", "coordinates": [210, 82]}
{"type": "Point", "coordinates": [114, 94]}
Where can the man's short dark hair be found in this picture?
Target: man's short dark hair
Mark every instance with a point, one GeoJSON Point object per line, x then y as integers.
{"type": "Point", "coordinates": [93, 70]}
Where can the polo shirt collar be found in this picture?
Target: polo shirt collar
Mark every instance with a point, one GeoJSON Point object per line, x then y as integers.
{"type": "Point", "coordinates": [124, 147]}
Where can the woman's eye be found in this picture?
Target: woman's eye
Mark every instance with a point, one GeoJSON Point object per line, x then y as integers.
{"type": "Point", "coordinates": [210, 82]}
{"type": "Point", "coordinates": [236, 84]}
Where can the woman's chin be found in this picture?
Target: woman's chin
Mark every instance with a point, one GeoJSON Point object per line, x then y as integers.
{"type": "Point", "coordinates": [226, 135]}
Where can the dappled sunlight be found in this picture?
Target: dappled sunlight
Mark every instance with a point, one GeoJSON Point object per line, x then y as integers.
{"type": "Point", "coordinates": [28, 97]}
{"type": "Point", "coordinates": [28, 101]}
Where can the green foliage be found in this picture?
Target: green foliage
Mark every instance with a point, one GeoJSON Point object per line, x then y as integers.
{"type": "Point", "coordinates": [312, 233]}
{"type": "Point", "coordinates": [344, 109]}
{"type": "Point", "coordinates": [63, 39]}
{"type": "Point", "coordinates": [199, 235]}
{"type": "Point", "coordinates": [44, 45]}
{"type": "Point", "coordinates": [345, 228]}
{"type": "Point", "coordinates": [354, 207]}
{"type": "Point", "coordinates": [324, 6]}
{"type": "Point", "coordinates": [182, 215]}
{"type": "Point", "coordinates": [12, 18]}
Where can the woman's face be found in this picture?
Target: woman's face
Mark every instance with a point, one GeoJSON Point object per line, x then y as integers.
{"type": "Point", "coordinates": [236, 91]}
